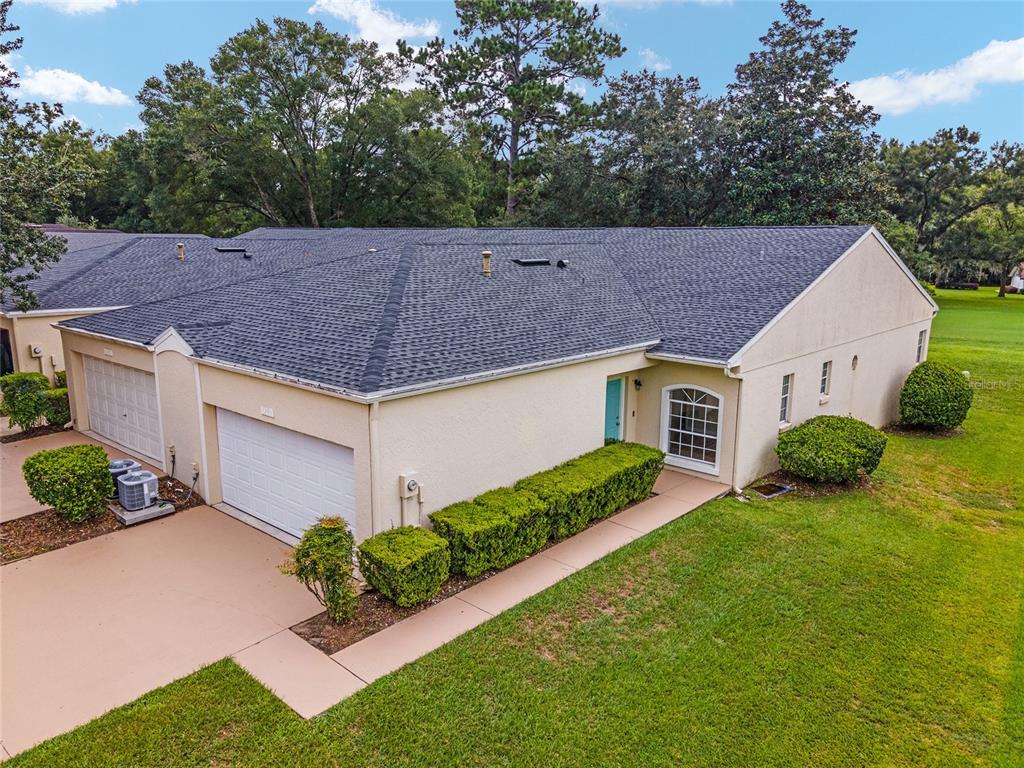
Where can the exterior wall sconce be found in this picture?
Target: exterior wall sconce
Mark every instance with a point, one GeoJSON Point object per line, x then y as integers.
{"type": "Point", "coordinates": [637, 384]}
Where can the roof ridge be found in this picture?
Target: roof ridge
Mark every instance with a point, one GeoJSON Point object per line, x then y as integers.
{"type": "Point", "coordinates": [377, 359]}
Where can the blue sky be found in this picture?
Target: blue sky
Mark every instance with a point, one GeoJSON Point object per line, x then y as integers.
{"type": "Point", "coordinates": [925, 65]}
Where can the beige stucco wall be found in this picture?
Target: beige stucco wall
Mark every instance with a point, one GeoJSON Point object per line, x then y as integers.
{"type": "Point", "coordinates": [302, 410]}
{"type": "Point", "coordinates": [866, 307]}
{"type": "Point", "coordinates": [469, 439]}
{"type": "Point", "coordinates": [28, 331]}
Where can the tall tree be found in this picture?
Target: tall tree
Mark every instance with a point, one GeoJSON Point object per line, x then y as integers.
{"type": "Point", "coordinates": [803, 146]}
{"type": "Point", "coordinates": [41, 169]}
{"type": "Point", "coordinates": [654, 158]}
{"type": "Point", "coordinates": [512, 68]}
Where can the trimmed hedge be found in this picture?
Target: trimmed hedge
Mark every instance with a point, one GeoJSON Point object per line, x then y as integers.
{"type": "Point", "coordinates": [495, 530]}
{"type": "Point", "coordinates": [935, 396]}
{"type": "Point", "coordinates": [56, 407]}
{"type": "Point", "coordinates": [595, 485]}
{"type": "Point", "coordinates": [74, 480]}
{"type": "Point", "coordinates": [503, 526]}
{"type": "Point", "coordinates": [407, 565]}
{"type": "Point", "coordinates": [831, 449]}
{"type": "Point", "coordinates": [60, 379]}
{"type": "Point", "coordinates": [23, 398]}
{"type": "Point", "coordinates": [322, 561]}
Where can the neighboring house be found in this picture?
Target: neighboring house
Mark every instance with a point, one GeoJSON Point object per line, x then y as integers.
{"type": "Point", "coordinates": [413, 355]}
{"type": "Point", "coordinates": [64, 289]}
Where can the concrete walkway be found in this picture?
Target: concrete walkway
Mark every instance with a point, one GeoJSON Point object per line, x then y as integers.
{"type": "Point", "coordinates": [15, 500]}
{"type": "Point", "coordinates": [310, 682]}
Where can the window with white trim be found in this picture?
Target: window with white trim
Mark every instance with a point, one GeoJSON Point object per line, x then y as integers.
{"type": "Point", "coordinates": [787, 396]}
{"type": "Point", "coordinates": [692, 427]}
{"type": "Point", "coordinates": [826, 377]}
{"type": "Point", "coordinates": [922, 337]}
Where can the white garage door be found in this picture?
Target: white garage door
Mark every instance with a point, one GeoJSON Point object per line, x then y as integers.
{"type": "Point", "coordinates": [123, 406]}
{"type": "Point", "coordinates": [284, 478]}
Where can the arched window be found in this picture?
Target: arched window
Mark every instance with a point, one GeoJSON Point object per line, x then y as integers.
{"type": "Point", "coordinates": [691, 427]}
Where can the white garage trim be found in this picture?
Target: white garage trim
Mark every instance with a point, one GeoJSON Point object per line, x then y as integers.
{"type": "Point", "coordinates": [284, 478]}
{"type": "Point", "coordinates": [124, 407]}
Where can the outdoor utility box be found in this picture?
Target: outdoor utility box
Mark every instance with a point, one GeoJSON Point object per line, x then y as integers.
{"type": "Point", "coordinates": [120, 467]}
{"type": "Point", "coordinates": [137, 490]}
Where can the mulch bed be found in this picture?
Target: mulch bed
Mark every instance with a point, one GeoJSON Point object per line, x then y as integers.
{"type": "Point", "coordinates": [373, 613]}
{"type": "Point", "coordinates": [46, 531]}
{"type": "Point", "coordinates": [49, 429]}
{"type": "Point", "coordinates": [904, 431]}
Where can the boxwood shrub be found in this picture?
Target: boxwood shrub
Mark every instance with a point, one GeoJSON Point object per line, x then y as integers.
{"type": "Point", "coordinates": [595, 485]}
{"type": "Point", "coordinates": [831, 449]}
{"type": "Point", "coordinates": [323, 562]}
{"type": "Point", "coordinates": [495, 530]}
{"type": "Point", "coordinates": [23, 398]}
{"type": "Point", "coordinates": [56, 408]}
{"type": "Point", "coordinates": [407, 565]}
{"type": "Point", "coordinates": [503, 526]}
{"type": "Point", "coordinates": [935, 396]}
{"type": "Point", "coordinates": [74, 480]}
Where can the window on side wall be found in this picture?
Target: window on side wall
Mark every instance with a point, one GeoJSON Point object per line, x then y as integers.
{"type": "Point", "coordinates": [922, 337]}
{"type": "Point", "coordinates": [826, 377]}
{"type": "Point", "coordinates": [785, 406]}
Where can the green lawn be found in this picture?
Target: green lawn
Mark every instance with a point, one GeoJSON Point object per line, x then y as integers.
{"type": "Point", "coordinates": [883, 627]}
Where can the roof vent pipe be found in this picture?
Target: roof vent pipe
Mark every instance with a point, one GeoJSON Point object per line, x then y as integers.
{"type": "Point", "coordinates": [487, 262]}
{"type": "Point", "coordinates": [181, 251]}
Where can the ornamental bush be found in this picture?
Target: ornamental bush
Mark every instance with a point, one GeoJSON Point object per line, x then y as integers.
{"type": "Point", "coordinates": [595, 485]}
{"type": "Point", "coordinates": [56, 407]}
{"type": "Point", "coordinates": [74, 480]}
{"type": "Point", "coordinates": [935, 396]}
{"type": "Point", "coordinates": [60, 379]}
{"type": "Point", "coordinates": [831, 449]}
{"type": "Point", "coordinates": [506, 525]}
{"type": "Point", "coordinates": [407, 565]}
{"type": "Point", "coordinates": [24, 400]}
{"type": "Point", "coordinates": [495, 530]}
{"type": "Point", "coordinates": [322, 561]}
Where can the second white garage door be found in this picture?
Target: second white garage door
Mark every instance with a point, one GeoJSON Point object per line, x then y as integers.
{"type": "Point", "coordinates": [284, 478]}
{"type": "Point", "coordinates": [123, 406]}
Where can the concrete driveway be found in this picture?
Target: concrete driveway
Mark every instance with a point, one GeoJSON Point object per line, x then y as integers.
{"type": "Point", "coordinates": [95, 625]}
{"type": "Point", "coordinates": [14, 498]}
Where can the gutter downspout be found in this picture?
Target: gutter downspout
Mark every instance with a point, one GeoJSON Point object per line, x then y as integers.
{"type": "Point", "coordinates": [736, 427]}
{"type": "Point", "coordinates": [374, 440]}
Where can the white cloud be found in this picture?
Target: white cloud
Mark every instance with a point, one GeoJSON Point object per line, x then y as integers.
{"type": "Point", "coordinates": [69, 87]}
{"type": "Point", "coordinates": [1001, 61]}
{"type": "Point", "coordinates": [74, 7]}
{"type": "Point", "coordinates": [653, 61]}
{"type": "Point", "coordinates": [374, 23]}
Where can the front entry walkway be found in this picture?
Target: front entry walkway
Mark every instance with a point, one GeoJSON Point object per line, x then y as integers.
{"type": "Point", "coordinates": [95, 625]}
{"type": "Point", "coordinates": [310, 682]}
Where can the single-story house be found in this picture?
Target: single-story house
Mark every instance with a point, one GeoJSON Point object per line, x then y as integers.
{"type": "Point", "coordinates": [408, 369]}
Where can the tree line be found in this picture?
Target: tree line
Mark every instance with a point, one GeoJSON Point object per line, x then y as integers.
{"type": "Point", "coordinates": [290, 124]}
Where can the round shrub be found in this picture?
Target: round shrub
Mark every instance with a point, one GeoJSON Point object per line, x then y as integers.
{"type": "Point", "coordinates": [831, 449]}
{"type": "Point", "coordinates": [407, 565]}
{"type": "Point", "coordinates": [74, 480]}
{"type": "Point", "coordinates": [935, 396]}
{"type": "Point", "coordinates": [56, 408]}
{"type": "Point", "coordinates": [322, 561]}
{"type": "Point", "coordinates": [24, 399]}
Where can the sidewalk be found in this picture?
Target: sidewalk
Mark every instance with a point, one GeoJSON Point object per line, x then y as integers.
{"type": "Point", "coordinates": [310, 682]}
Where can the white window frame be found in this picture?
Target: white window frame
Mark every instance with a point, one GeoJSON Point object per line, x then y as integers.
{"type": "Point", "coordinates": [922, 337]}
{"type": "Point", "coordinates": [825, 386]}
{"type": "Point", "coordinates": [786, 401]}
{"type": "Point", "coordinates": [679, 461]}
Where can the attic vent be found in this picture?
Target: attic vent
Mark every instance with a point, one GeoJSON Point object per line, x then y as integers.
{"type": "Point", "coordinates": [532, 262]}
{"type": "Point", "coordinates": [202, 324]}
{"type": "Point", "coordinates": [229, 249]}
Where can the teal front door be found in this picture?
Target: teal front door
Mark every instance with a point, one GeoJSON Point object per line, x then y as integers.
{"type": "Point", "coordinates": [613, 410]}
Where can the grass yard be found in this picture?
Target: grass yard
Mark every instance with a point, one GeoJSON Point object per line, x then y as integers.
{"type": "Point", "coordinates": [883, 627]}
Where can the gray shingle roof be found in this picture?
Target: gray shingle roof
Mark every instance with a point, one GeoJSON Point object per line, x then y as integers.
{"type": "Point", "coordinates": [418, 310]}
